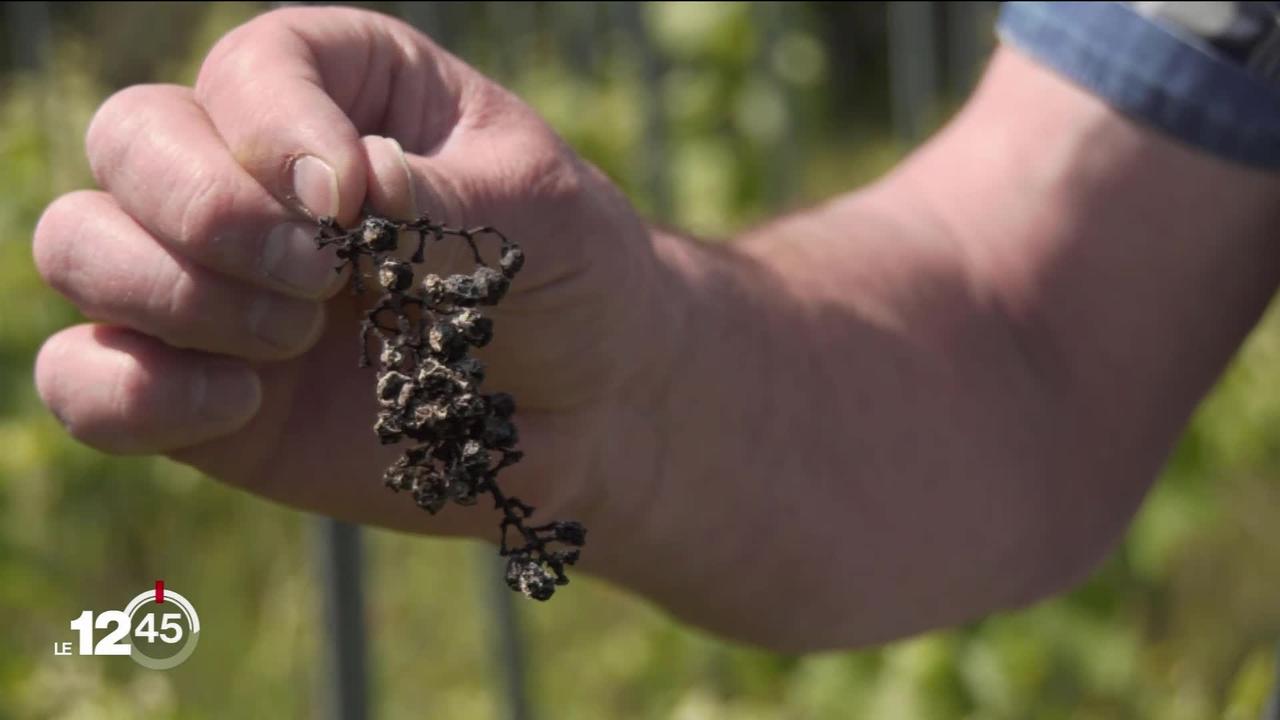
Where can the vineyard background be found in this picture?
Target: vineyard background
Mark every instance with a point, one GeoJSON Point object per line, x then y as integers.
{"type": "Point", "coordinates": [712, 117]}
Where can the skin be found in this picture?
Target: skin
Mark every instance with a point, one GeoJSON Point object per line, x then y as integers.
{"type": "Point", "coordinates": [938, 396]}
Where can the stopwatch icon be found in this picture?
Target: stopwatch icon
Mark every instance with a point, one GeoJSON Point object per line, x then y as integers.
{"type": "Point", "coordinates": [166, 628]}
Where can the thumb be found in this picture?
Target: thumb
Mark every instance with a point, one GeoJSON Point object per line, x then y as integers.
{"type": "Point", "coordinates": [405, 187]}
{"type": "Point", "coordinates": [391, 191]}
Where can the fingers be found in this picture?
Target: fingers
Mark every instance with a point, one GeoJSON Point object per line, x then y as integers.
{"type": "Point", "coordinates": [126, 393]}
{"type": "Point", "coordinates": [291, 92]}
{"type": "Point", "coordinates": [267, 100]}
{"type": "Point", "coordinates": [155, 150]}
{"type": "Point", "coordinates": [88, 249]}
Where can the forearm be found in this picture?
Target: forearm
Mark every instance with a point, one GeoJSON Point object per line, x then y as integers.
{"type": "Point", "coordinates": [945, 394]}
{"type": "Point", "coordinates": [853, 443]}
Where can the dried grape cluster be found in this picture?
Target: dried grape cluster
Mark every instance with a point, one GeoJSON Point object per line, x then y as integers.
{"type": "Point", "coordinates": [428, 385]}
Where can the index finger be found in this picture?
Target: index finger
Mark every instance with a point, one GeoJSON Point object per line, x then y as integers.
{"type": "Point", "coordinates": [292, 92]}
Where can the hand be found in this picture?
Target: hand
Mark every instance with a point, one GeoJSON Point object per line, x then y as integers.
{"type": "Point", "coordinates": [224, 339]}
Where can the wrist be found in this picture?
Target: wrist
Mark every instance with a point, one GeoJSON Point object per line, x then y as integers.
{"type": "Point", "coordinates": [668, 521]}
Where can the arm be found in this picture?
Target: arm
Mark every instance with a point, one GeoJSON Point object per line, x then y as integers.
{"type": "Point", "coordinates": [938, 396]}
{"type": "Point", "coordinates": [946, 393]}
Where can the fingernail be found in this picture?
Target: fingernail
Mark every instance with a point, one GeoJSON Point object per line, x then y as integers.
{"type": "Point", "coordinates": [315, 184]}
{"type": "Point", "coordinates": [290, 257]}
{"type": "Point", "coordinates": [226, 391]}
{"type": "Point", "coordinates": [282, 322]}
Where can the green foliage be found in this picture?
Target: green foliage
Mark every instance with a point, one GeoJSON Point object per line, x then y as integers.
{"type": "Point", "coordinates": [1179, 623]}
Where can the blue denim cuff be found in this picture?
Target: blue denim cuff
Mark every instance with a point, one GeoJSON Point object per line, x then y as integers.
{"type": "Point", "coordinates": [1153, 73]}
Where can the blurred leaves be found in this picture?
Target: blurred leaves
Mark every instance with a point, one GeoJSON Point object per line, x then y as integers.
{"type": "Point", "coordinates": [1179, 623]}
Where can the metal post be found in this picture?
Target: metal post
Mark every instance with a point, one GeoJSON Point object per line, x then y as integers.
{"type": "Point", "coordinates": [912, 63]}
{"type": "Point", "coordinates": [505, 638]}
{"type": "Point", "coordinates": [1272, 710]}
{"type": "Point", "coordinates": [516, 23]}
{"type": "Point", "coordinates": [651, 156]}
{"type": "Point", "coordinates": [970, 37]}
{"type": "Point", "coordinates": [774, 19]}
{"type": "Point", "coordinates": [575, 25]}
{"type": "Point", "coordinates": [346, 691]}
{"type": "Point", "coordinates": [429, 18]}
{"type": "Point", "coordinates": [29, 28]}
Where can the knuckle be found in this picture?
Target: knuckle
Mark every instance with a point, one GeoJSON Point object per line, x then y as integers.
{"type": "Point", "coordinates": [490, 106]}
{"type": "Point", "coordinates": [288, 19]}
{"type": "Point", "coordinates": [551, 177]}
{"type": "Point", "coordinates": [222, 60]}
{"type": "Point", "coordinates": [206, 206]}
{"type": "Point", "coordinates": [544, 170]}
{"type": "Point", "coordinates": [235, 58]}
{"type": "Point", "coordinates": [132, 391]}
{"type": "Point", "coordinates": [179, 300]}
{"type": "Point", "coordinates": [275, 20]}
{"type": "Point", "coordinates": [115, 127]}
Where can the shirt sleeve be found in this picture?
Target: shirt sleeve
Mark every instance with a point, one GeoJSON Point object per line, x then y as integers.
{"type": "Point", "coordinates": [1203, 80]}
